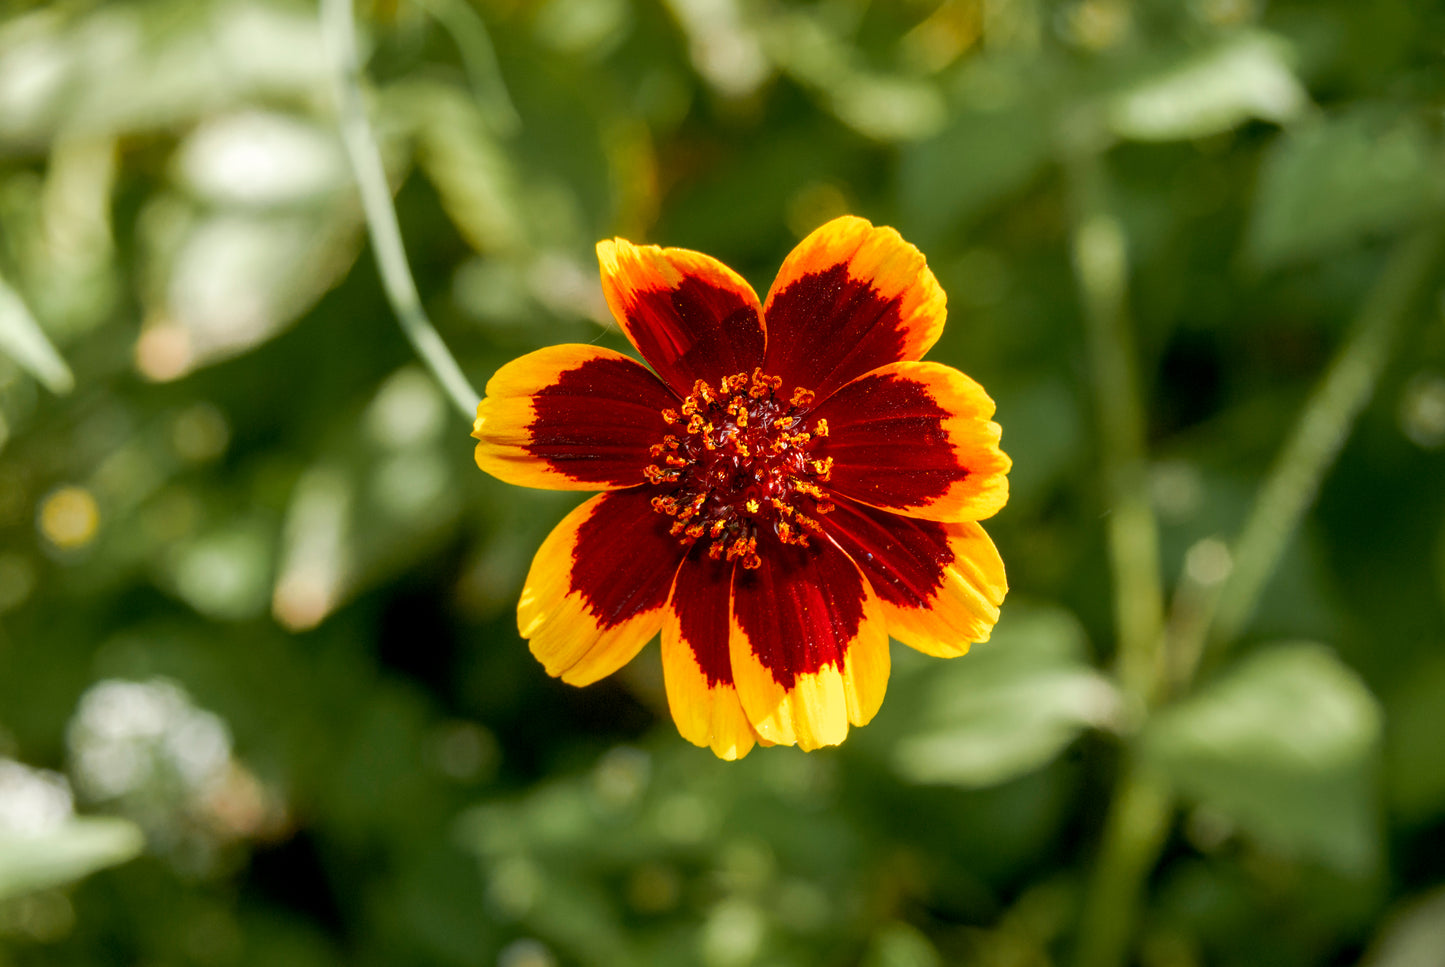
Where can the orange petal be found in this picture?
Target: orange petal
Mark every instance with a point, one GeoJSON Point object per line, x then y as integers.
{"type": "Point", "coordinates": [850, 298]}
{"type": "Point", "coordinates": [571, 418]}
{"type": "Point", "coordinates": [965, 606]}
{"type": "Point", "coordinates": [598, 587]}
{"type": "Point", "coordinates": [807, 643]}
{"type": "Point", "coordinates": [695, 664]}
{"type": "Point", "coordinates": [916, 439]}
{"type": "Point", "coordinates": [690, 316]}
{"type": "Point", "coordinates": [939, 584]}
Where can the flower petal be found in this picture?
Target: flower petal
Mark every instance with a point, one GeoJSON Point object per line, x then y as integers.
{"type": "Point", "coordinates": [598, 586]}
{"type": "Point", "coordinates": [570, 418]}
{"type": "Point", "coordinates": [808, 645]}
{"type": "Point", "coordinates": [940, 585]}
{"type": "Point", "coordinates": [695, 664]}
{"type": "Point", "coordinates": [916, 439]}
{"type": "Point", "coordinates": [850, 298]}
{"type": "Point", "coordinates": [690, 316]}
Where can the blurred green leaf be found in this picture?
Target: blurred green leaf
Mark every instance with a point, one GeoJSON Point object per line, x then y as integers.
{"type": "Point", "coordinates": [229, 280]}
{"type": "Point", "coordinates": [314, 570]}
{"type": "Point", "coordinates": [901, 945]}
{"type": "Point", "coordinates": [462, 158]}
{"type": "Point", "coordinates": [1327, 184]}
{"type": "Point", "coordinates": [78, 847]}
{"type": "Point", "coordinates": [724, 46]}
{"type": "Point", "coordinates": [588, 28]}
{"type": "Point", "coordinates": [224, 574]}
{"type": "Point", "coordinates": [474, 42]}
{"type": "Point", "coordinates": [372, 505]}
{"type": "Point", "coordinates": [141, 67]}
{"type": "Point", "coordinates": [1008, 708]}
{"type": "Point", "coordinates": [1414, 937]}
{"type": "Point", "coordinates": [261, 159]}
{"type": "Point", "coordinates": [1045, 438]}
{"type": "Point", "coordinates": [887, 107]}
{"type": "Point", "coordinates": [1415, 768]}
{"type": "Point", "coordinates": [1244, 78]}
{"type": "Point", "coordinates": [979, 159]}
{"type": "Point", "coordinates": [22, 339]}
{"type": "Point", "coordinates": [1285, 745]}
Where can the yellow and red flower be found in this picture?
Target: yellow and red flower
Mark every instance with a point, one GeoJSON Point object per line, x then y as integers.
{"type": "Point", "coordinates": [786, 488]}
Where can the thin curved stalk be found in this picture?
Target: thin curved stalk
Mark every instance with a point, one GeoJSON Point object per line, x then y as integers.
{"type": "Point", "coordinates": [479, 57]}
{"type": "Point", "coordinates": [1314, 443]}
{"type": "Point", "coordinates": [339, 34]}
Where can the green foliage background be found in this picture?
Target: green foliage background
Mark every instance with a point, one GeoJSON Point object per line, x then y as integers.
{"type": "Point", "coordinates": [258, 661]}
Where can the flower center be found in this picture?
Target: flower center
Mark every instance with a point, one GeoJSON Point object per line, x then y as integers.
{"type": "Point", "coordinates": [741, 459]}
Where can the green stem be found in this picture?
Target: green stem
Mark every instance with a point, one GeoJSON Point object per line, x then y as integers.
{"type": "Point", "coordinates": [1134, 833]}
{"type": "Point", "coordinates": [1101, 267]}
{"type": "Point", "coordinates": [339, 34]}
{"type": "Point", "coordinates": [1307, 455]}
{"type": "Point", "coordinates": [1140, 808]}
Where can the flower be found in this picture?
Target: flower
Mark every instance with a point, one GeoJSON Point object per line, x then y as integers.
{"type": "Point", "coordinates": [786, 488]}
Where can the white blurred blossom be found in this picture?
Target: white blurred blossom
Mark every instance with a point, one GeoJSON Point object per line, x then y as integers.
{"type": "Point", "coordinates": [32, 801]}
{"type": "Point", "coordinates": [127, 736]}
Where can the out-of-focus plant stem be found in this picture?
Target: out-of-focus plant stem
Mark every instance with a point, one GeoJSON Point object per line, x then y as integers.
{"type": "Point", "coordinates": [1151, 665]}
{"type": "Point", "coordinates": [1134, 830]}
{"type": "Point", "coordinates": [339, 33]}
{"type": "Point", "coordinates": [1101, 268]}
{"type": "Point", "coordinates": [479, 57]}
{"type": "Point", "coordinates": [1221, 612]}
{"type": "Point", "coordinates": [1140, 808]}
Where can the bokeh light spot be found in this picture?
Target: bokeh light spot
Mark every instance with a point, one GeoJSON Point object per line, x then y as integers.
{"type": "Point", "coordinates": [69, 518]}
